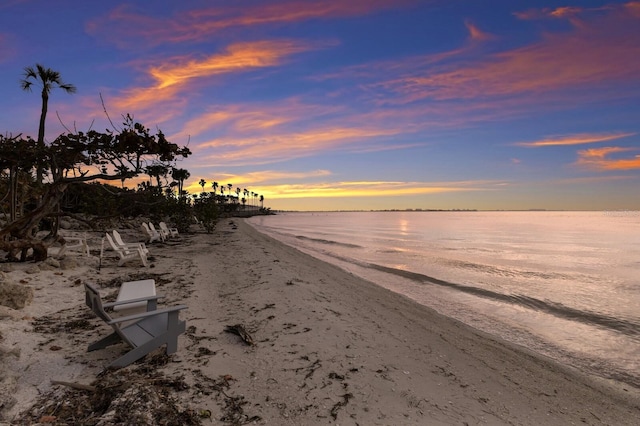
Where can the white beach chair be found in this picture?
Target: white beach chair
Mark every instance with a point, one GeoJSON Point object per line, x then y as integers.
{"type": "Point", "coordinates": [74, 244]}
{"type": "Point", "coordinates": [153, 229]}
{"type": "Point", "coordinates": [152, 235]}
{"type": "Point", "coordinates": [169, 232]}
{"type": "Point", "coordinates": [118, 240]}
{"type": "Point", "coordinates": [125, 254]}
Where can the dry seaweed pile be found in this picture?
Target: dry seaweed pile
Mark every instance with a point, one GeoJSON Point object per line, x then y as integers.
{"type": "Point", "coordinates": [140, 396]}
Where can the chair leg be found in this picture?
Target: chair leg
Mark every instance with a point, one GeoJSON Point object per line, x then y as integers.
{"type": "Point", "coordinates": [109, 340]}
{"type": "Point", "coordinates": [140, 352]}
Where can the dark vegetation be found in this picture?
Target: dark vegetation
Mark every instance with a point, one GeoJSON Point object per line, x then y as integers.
{"type": "Point", "coordinates": [41, 183]}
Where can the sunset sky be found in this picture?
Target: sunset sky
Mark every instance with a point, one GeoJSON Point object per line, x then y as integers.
{"type": "Point", "coordinates": [358, 104]}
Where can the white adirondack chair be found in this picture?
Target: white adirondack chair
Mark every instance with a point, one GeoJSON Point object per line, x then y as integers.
{"type": "Point", "coordinates": [169, 232]}
{"type": "Point", "coordinates": [74, 244]}
{"type": "Point", "coordinates": [151, 234]}
{"type": "Point", "coordinates": [160, 232]}
{"type": "Point", "coordinates": [117, 238]}
{"type": "Point", "coordinates": [125, 254]}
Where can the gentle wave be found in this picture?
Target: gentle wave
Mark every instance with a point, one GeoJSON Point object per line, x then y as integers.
{"type": "Point", "coordinates": [329, 242]}
{"type": "Point", "coordinates": [628, 328]}
{"type": "Point", "coordinates": [493, 270]}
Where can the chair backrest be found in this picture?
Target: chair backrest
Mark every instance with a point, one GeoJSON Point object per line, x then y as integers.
{"type": "Point", "coordinates": [113, 245]}
{"type": "Point", "coordinates": [159, 234]}
{"type": "Point", "coordinates": [117, 238]}
{"type": "Point", "coordinates": [147, 230]}
{"type": "Point", "coordinates": [94, 302]}
{"type": "Point", "coordinates": [164, 227]}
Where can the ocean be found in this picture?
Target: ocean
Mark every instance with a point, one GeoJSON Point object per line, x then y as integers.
{"type": "Point", "coordinates": [562, 284]}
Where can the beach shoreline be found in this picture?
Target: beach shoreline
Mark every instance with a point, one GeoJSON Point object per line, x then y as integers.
{"type": "Point", "coordinates": [329, 347]}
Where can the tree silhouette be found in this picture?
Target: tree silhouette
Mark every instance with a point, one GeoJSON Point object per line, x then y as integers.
{"type": "Point", "coordinates": [77, 158]}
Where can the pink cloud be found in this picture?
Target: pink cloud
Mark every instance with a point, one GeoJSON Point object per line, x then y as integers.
{"type": "Point", "coordinates": [124, 24]}
{"type": "Point", "coordinates": [476, 33]}
{"type": "Point", "coordinates": [598, 53]}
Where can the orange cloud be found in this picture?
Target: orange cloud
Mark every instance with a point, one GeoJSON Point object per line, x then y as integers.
{"type": "Point", "coordinates": [599, 159]}
{"type": "Point", "coordinates": [575, 140]}
{"type": "Point", "coordinates": [178, 72]}
{"type": "Point", "coordinates": [123, 25]}
{"type": "Point", "coordinates": [238, 57]}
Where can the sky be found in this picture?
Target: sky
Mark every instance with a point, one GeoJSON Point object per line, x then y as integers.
{"type": "Point", "coordinates": [359, 104]}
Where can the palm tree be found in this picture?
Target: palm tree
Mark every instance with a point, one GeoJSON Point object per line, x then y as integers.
{"type": "Point", "coordinates": [180, 175]}
{"type": "Point", "coordinates": [48, 79]}
{"type": "Point", "coordinates": [262, 201]}
{"type": "Point", "coordinates": [202, 184]}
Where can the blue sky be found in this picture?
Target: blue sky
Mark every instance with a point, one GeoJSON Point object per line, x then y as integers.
{"type": "Point", "coordinates": [360, 104]}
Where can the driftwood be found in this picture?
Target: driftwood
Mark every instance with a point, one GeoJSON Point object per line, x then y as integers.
{"type": "Point", "coordinates": [78, 386]}
{"type": "Point", "coordinates": [240, 331]}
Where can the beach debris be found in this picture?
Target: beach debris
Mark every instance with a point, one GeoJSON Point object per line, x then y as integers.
{"type": "Point", "coordinates": [338, 405]}
{"type": "Point", "coordinates": [79, 386]}
{"type": "Point", "coordinates": [241, 331]}
{"type": "Point", "coordinates": [234, 411]}
{"type": "Point", "coordinates": [140, 396]}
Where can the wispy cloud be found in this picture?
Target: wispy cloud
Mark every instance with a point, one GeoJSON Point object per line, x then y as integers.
{"type": "Point", "coordinates": [262, 177]}
{"type": "Point", "coordinates": [600, 159]}
{"type": "Point", "coordinates": [578, 139]}
{"type": "Point", "coordinates": [124, 24]}
{"type": "Point", "coordinates": [237, 57]}
{"type": "Point", "coordinates": [286, 146]}
{"type": "Point", "coordinates": [372, 189]}
{"type": "Point", "coordinates": [175, 73]}
{"type": "Point", "coordinates": [600, 52]}
{"type": "Point", "coordinates": [309, 187]}
{"type": "Point", "coordinates": [550, 13]}
{"type": "Point", "coordinates": [476, 33]}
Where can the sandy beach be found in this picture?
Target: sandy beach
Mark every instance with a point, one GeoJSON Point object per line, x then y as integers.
{"type": "Point", "coordinates": [322, 347]}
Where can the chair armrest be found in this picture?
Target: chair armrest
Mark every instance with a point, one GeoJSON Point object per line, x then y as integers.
{"type": "Point", "coordinates": [124, 302]}
{"type": "Point", "coordinates": [147, 314]}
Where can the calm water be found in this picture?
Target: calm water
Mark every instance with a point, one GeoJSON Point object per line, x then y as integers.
{"type": "Point", "coordinates": [564, 284]}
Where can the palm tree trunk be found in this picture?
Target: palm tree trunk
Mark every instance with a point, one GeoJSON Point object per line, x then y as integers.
{"type": "Point", "coordinates": [43, 117]}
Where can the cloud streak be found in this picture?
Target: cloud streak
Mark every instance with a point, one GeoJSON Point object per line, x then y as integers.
{"type": "Point", "coordinates": [599, 52]}
{"type": "Point", "coordinates": [372, 189]}
{"type": "Point", "coordinates": [124, 25]}
{"type": "Point", "coordinates": [265, 149]}
{"type": "Point", "coordinates": [237, 57]}
{"type": "Point", "coordinates": [174, 74]}
{"type": "Point", "coordinates": [578, 139]}
{"type": "Point", "coordinates": [600, 159]}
